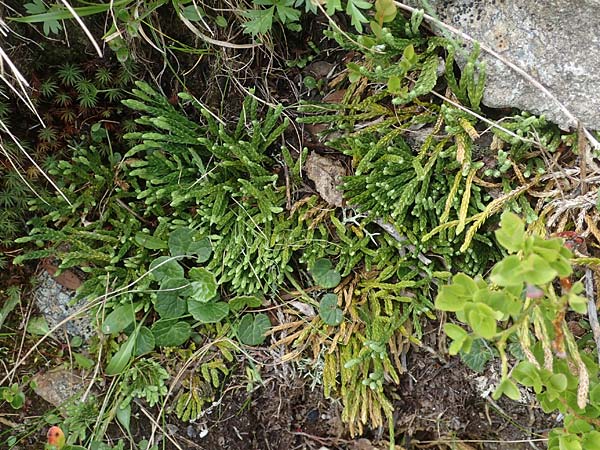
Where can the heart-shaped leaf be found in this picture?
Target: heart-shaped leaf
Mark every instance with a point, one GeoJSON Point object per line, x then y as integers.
{"type": "Point", "coordinates": [166, 267]}
{"type": "Point", "coordinates": [145, 342]}
{"type": "Point", "coordinates": [324, 274]}
{"type": "Point", "coordinates": [204, 285]}
{"type": "Point", "coordinates": [329, 311]}
{"type": "Point", "coordinates": [252, 328]}
{"type": "Point", "coordinates": [482, 319]}
{"type": "Point", "coordinates": [169, 303]}
{"type": "Point", "coordinates": [211, 312]}
{"type": "Point", "coordinates": [242, 301]}
{"type": "Point", "coordinates": [171, 333]}
{"type": "Point", "coordinates": [182, 243]}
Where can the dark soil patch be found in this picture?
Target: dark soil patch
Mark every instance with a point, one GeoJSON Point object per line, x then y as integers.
{"type": "Point", "coordinates": [445, 401]}
{"type": "Point", "coordinates": [274, 418]}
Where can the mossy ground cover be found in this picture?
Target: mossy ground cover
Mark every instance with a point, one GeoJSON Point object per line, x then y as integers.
{"type": "Point", "coordinates": [258, 205]}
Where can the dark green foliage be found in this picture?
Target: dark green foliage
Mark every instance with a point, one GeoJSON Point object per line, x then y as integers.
{"type": "Point", "coordinates": [219, 182]}
{"type": "Point", "coordinates": [394, 184]}
{"type": "Point", "coordinates": [14, 194]}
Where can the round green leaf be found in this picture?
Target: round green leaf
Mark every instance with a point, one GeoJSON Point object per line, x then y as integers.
{"type": "Point", "coordinates": [242, 301]}
{"type": "Point", "coordinates": [451, 298]}
{"type": "Point", "coordinates": [169, 303]}
{"type": "Point", "coordinates": [182, 243]}
{"type": "Point", "coordinates": [221, 21]}
{"type": "Point", "coordinates": [171, 333]}
{"type": "Point", "coordinates": [18, 400]}
{"type": "Point", "coordinates": [166, 267]}
{"type": "Point", "coordinates": [179, 241]}
{"type": "Point", "coordinates": [252, 328]}
{"type": "Point", "coordinates": [482, 319]}
{"type": "Point", "coordinates": [329, 311]}
{"type": "Point", "coordinates": [38, 326]}
{"type": "Point", "coordinates": [557, 382]}
{"type": "Point", "coordinates": [202, 249]}
{"type": "Point", "coordinates": [501, 301]}
{"type": "Point", "coordinates": [208, 312]}
{"type": "Point", "coordinates": [538, 270]}
{"type": "Point", "coordinates": [508, 272]}
{"type": "Point", "coordinates": [145, 342]}
{"type": "Point", "coordinates": [578, 303]}
{"type": "Point", "coordinates": [324, 274]}
{"type": "Point", "coordinates": [150, 242]}
{"type": "Point", "coordinates": [591, 441]}
{"type": "Point", "coordinates": [528, 375]}
{"type": "Point", "coordinates": [508, 388]}
{"type": "Point", "coordinates": [511, 234]}
{"type": "Point", "coordinates": [577, 426]}
{"type": "Point", "coordinates": [203, 286]}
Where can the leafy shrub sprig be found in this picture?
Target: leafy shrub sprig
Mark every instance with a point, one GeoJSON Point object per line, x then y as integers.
{"type": "Point", "coordinates": [520, 301]}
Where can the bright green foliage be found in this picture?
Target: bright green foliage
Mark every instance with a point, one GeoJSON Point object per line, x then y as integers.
{"type": "Point", "coordinates": [69, 74]}
{"type": "Point", "coordinates": [520, 302]}
{"type": "Point", "coordinates": [225, 178]}
{"type": "Point", "coordinates": [81, 418]}
{"type": "Point", "coordinates": [144, 379]}
{"type": "Point", "coordinates": [469, 89]}
{"type": "Point", "coordinates": [170, 332]}
{"type": "Point", "coordinates": [260, 20]}
{"type": "Point", "coordinates": [13, 395]}
{"type": "Point", "coordinates": [415, 186]}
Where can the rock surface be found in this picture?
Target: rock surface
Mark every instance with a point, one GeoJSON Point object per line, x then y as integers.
{"type": "Point", "coordinates": [327, 174]}
{"type": "Point", "coordinates": [54, 302]}
{"type": "Point", "coordinates": [555, 41]}
{"type": "Point", "coordinates": [58, 386]}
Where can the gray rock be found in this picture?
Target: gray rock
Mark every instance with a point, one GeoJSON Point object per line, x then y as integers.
{"type": "Point", "coordinates": [555, 41]}
{"type": "Point", "coordinates": [58, 386]}
{"type": "Point", "coordinates": [55, 303]}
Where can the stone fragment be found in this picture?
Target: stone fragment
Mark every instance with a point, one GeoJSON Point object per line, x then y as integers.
{"type": "Point", "coordinates": [55, 303]}
{"type": "Point", "coordinates": [327, 175]}
{"type": "Point", "coordinates": [58, 386]}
